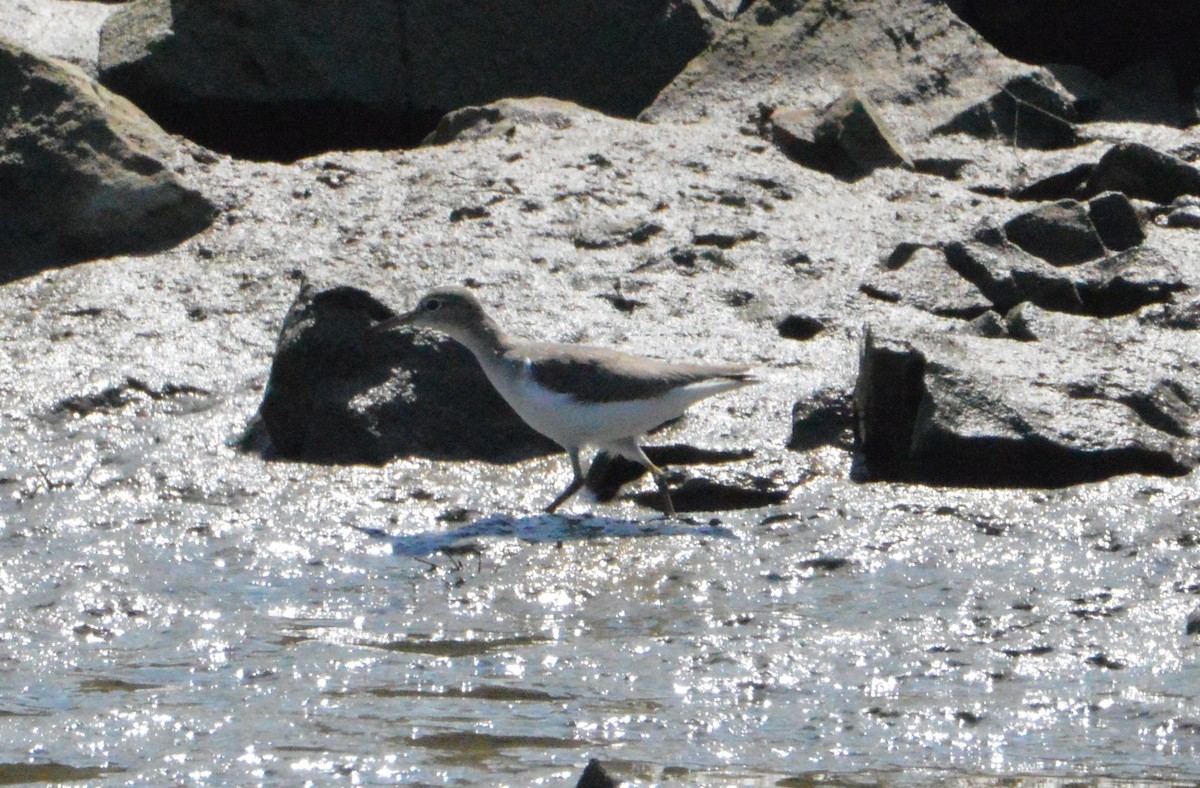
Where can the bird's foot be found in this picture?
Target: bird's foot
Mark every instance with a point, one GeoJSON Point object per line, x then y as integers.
{"type": "Point", "coordinates": [668, 505]}
{"type": "Point", "coordinates": [572, 488]}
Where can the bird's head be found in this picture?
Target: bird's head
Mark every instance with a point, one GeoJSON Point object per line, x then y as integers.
{"type": "Point", "coordinates": [450, 310]}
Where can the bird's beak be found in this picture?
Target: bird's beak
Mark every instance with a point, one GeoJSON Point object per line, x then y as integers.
{"type": "Point", "coordinates": [392, 322]}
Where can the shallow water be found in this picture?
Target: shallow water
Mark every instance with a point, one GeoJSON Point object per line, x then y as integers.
{"type": "Point", "coordinates": [176, 612]}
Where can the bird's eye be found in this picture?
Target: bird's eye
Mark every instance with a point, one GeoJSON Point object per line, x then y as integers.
{"type": "Point", "coordinates": [432, 305]}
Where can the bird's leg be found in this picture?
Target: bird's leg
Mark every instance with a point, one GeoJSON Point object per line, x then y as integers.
{"type": "Point", "coordinates": [628, 448]}
{"type": "Point", "coordinates": [660, 478]}
{"type": "Point", "coordinates": [573, 487]}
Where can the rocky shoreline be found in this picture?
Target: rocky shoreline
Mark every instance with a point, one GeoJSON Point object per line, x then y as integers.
{"type": "Point", "coordinates": [955, 269]}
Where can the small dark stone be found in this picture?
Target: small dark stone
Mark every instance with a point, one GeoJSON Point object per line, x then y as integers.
{"type": "Point", "coordinates": [948, 168]}
{"type": "Point", "coordinates": [1140, 171]}
{"type": "Point", "coordinates": [724, 240]}
{"type": "Point", "coordinates": [1116, 220]}
{"type": "Point", "coordinates": [1101, 660]}
{"type": "Point", "coordinates": [469, 212]}
{"type": "Point", "coordinates": [1060, 233]}
{"type": "Point", "coordinates": [738, 298]}
{"type": "Point", "coordinates": [1060, 186]}
{"type": "Point", "coordinates": [801, 327]}
{"type": "Point", "coordinates": [902, 254]}
{"type": "Point", "coordinates": [622, 303]}
{"type": "Point", "coordinates": [608, 473]}
{"type": "Point", "coordinates": [700, 494]}
{"type": "Point", "coordinates": [594, 776]}
{"type": "Point", "coordinates": [988, 325]}
{"type": "Point", "coordinates": [824, 563]}
{"type": "Point", "coordinates": [1193, 622]}
{"type": "Point", "coordinates": [1184, 218]}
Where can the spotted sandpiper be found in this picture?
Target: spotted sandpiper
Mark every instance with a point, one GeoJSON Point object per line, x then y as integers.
{"type": "Point", "coordinates": [575, 395]}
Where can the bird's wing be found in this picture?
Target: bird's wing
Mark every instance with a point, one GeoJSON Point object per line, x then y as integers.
{"type": "Point", "coordinates": [602, 375]}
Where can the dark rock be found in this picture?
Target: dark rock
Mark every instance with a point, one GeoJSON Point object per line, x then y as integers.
{"type": "Point", "coordinates": [955, 409]}
{"type": "Point", "coordinates": [989, 233]}
{"type": "Point", "coordinates": [928, 283]}
{"type": "Point", "coordinates": [1193, 623]}
{"type": "Point", "coordinates": [609, 234]}
{"type": "Point", "coordinates": [949, 168]}
{"type": "Point", "coordinates": [1126, 282]}
{"type": "Point", "coordinates": [1022, 322]}
{"type": "Point", "coordinates": [987, 325]}
{"type": "Point", "coordinates": [1140, 171]}
{"type": "Point", "coordinates": [854, 124]}
{"type": "Point", "coordinates": [594, 776]}
{"type": "Point", "coordinates": [1060, 233]}
{"type": "Point", "coordinates": [1071, 184]}
{"type": "Point", "coordinates": [184, 398]}
{"type": "Point", "coordinates": [1030, 111]}
{"type": "Point", "coordinates": [968, 717]}
{"type": "Point", "coordinates": [824, 419]}
{"type": "Point", "coordinates": [468, 212]}
{"type": "Point", "coordinates": [888, 392]}
{"type": "Point", "coordinates": [1116, 220]}
{"type": "Point", "coordinates": [82, 172]}
{"type": "Point", "coordinates": [1185, 216]}
{"type": "Point", "coordinates": [824, 564]}
{"type": "Point", "coordinates": [622, 303]}
{"type": "Point", "coordinates": [1114, 285]}
{"type": "Point", "coordinates": [280, 81]}
{"type": "Point", "coordinates": [1179, 316]}
{"type": "Point", "coordinates": [1105, 38]}
{"type": "Point", "coordinates": [849, 139]}
{"type": "Point", "coordinates": [901, 254]}
{"type": "Point", "coordinates": [503, 118]}
{"type": "Point", "coordinates": [706, 494]}
{"type": "Point", "coordinates": [1102, 660]}
{"type": "Point", "coordinates": [724, 240]}
{"type": "Point", "coordinates": [801, 327]}
{"type": "Point", "coordinates": [608, 473]}
{"type": "Point", "coordinates": [337, 394]}
{"type": "Point", "coordinates": [1145, 92]}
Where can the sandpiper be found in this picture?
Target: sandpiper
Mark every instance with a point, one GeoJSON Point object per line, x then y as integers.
{"type": "Point", "coordinates": [575, 395]}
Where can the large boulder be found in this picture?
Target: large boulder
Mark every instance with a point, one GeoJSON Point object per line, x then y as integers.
{"type": "Point", "coordinates": [1031, 111]}
{"type": "Point", "coordinates": [82, 171]}
{"type": "Point", "coordinates": [338, 394]}
{"type": "Point", "coordinates": [801, 56]}
{"type": "Point", "coordinates": [1090, 400]}
{"type": "Point", "coordinates": [283, 78]}
{"type": "Point", "coordinates": [1117, 284]}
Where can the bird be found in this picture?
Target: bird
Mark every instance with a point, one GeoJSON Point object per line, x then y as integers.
{"type": "Point", "coordinates": [576, 395]}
